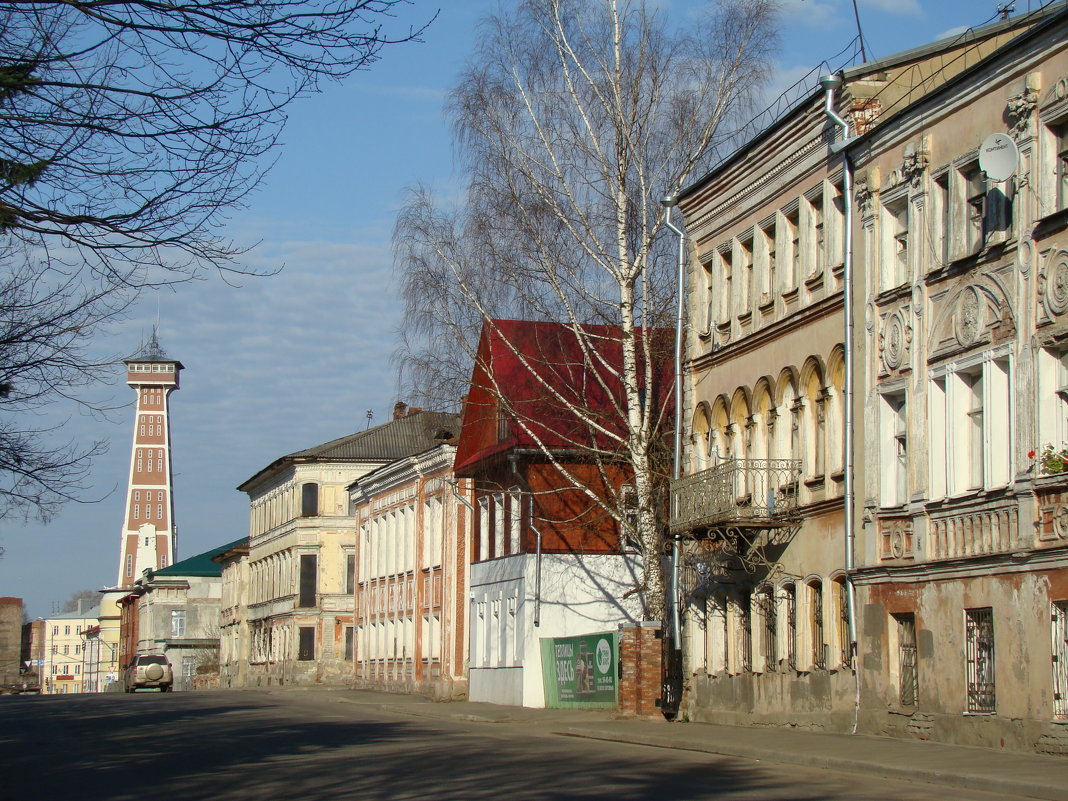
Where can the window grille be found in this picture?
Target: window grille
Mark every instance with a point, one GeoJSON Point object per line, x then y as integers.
{"type": "Point", "coordinates": [819, 650]}
{"type": "Point", "coordinates": [771, 632]}
{"type": "Point", "coordinates": [908, 675]}
{"type": "Point", "coordinates": [1060, 659]}
{"type": "Point", "coordinates": [843, 625]}
{"type": "Point", "coordinates": [745, 629]}
{"type": "Point", "coordinates": [790, 601]}
{"type": "Point", "coordinates": [979, 631]}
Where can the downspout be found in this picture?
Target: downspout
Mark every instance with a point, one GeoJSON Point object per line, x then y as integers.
{"type": "Point", "coordinates": [830, 83]}
{"type": "Point", "coordinates": [676, 624]}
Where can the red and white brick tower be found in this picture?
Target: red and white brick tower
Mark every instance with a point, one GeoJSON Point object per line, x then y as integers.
{"type": "Point", "coordinates": [149, 534]}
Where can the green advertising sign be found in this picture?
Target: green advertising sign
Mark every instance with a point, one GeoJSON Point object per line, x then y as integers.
{"type": "Point", "coordinates": [580, 671]}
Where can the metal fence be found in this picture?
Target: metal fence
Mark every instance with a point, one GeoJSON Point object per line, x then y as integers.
{"type": "Point", "coordinates": [979, 630]}
{"type": "Point", "coordinates": [757, 491]}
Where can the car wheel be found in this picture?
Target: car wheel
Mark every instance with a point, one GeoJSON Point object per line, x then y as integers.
{"type": "Point", "coordinates": [164, 688]}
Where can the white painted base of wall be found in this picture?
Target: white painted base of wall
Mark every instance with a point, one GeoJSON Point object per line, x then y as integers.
{"type": "Point", "coordinates": [580, 594]}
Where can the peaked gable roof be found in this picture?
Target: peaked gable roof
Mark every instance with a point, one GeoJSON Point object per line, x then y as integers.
{"type": "Point", "coordinates": [416, 432]}
{"type": "Point", "coordinates": [541, 373]}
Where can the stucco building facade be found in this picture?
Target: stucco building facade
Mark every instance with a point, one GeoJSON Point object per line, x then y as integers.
{"type": "Point", "coordinates": [302, 550]}
{"type": "Point", "coordinates": [962, 577]}
{"type": "Point", "coordinates": [771, 627]}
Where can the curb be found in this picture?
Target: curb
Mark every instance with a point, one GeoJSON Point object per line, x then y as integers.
{"type": "Point", "coordinates": [1006, 786]}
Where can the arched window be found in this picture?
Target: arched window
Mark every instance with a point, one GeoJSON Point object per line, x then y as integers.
{"type": "Point", "coordinates": [309, 500]}
{"type": "Point", "coordinates": [701, 439]}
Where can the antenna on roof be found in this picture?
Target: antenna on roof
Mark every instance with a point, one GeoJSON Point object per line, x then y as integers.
{"type": "Point", "coordinates": [1004, 9]}
{"type": "Point", "coordinates": [860, 33]}
{"type": "Point", "coordinates": [370, 414]}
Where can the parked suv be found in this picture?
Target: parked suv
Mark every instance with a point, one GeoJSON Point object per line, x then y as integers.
{"type": "Point", "coordinates": [149, 670]}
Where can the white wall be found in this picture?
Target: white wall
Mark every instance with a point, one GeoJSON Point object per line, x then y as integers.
{"type": "Point", "coordinates": [579, 595]}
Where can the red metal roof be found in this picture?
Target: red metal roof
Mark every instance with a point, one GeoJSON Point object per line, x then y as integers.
{"type": "Point", "coordinates": [544, 371]}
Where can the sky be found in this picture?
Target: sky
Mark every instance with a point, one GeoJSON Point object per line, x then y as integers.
{"type": "Point", "coordinates": [283, 363]}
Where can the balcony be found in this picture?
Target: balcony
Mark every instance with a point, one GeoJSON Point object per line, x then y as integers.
{"type": "Point", "coordinates": [757, 493]}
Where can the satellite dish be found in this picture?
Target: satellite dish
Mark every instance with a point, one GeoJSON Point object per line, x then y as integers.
{"type": "Point", "coordinates": [999, 157]}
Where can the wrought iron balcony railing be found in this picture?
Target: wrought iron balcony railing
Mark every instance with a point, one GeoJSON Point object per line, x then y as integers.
{"type": "Point", "coordinates": [740, 492]}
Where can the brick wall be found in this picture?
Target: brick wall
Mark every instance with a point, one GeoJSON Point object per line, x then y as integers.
{"type": "Point", "coordinates": [641, 657]}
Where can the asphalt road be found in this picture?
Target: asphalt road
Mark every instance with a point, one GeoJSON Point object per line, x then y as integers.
{"type": "Point", "coordinates": [318, 746]}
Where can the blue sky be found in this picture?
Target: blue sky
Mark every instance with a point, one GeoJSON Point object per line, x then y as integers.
{"type": "Point", "coordinates": [283, 363]}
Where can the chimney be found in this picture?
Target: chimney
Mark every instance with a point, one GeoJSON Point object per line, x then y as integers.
{"type": "Point", "coordinates": [414, 410]}
{"type": "Point", "coordinates": [399, 408]}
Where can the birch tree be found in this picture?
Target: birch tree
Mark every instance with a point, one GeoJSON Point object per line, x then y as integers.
{"type": "Point", "coordinates": [572, 122]}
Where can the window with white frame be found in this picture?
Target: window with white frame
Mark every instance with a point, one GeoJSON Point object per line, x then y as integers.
{"type": "Point", "coordinates": [895, 243]}
{"type": "Point", "coordinates": [499, 544]}
{"type": "Point", "coordinates": [894, 448]}
{"type": "Point", "coordinates": [1052, 373]}
{"type": "Point", "coordinates": [769, 640]}
{"type": "Point", "coordinates": [515, 519]}
{"type": "Point", "coordinates": [484, 528]}
{"type": "Point", "coordinates": [177, 622]}
{"type": "Point", "coordinates": [970, 423]}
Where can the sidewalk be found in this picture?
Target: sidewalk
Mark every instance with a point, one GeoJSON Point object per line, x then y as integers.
{"type": "Point", "coordinates": [1006, 772]}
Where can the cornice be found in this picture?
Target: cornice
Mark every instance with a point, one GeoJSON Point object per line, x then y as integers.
{"type": "Point", "coordinates": [777, 330]}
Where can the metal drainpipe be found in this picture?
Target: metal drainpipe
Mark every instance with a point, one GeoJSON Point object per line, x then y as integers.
{"type": "Point", "coordinates": [830, 83]}
{"type": "Point", "coordinates": [676, 623]}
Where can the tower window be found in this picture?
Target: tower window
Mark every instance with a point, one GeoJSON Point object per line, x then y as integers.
{"type": "Point", "coordinates": [309, 500]}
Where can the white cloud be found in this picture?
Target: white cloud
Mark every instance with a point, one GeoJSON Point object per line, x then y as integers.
{"type": "Point", "coordinates": [954, 31]}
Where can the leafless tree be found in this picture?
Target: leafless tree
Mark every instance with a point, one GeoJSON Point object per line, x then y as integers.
{"type": "Point", "coordinates": [573, 121]}
{"type": "Point", "coordinates": [127, 131]}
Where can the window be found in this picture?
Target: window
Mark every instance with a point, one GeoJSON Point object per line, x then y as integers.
{"type": "Point", "coordinates": [177, 622]}
{"type": "Point", "coordinates": [1060, 133]}
{"type": "Point", "coordinates": [895, 269]}
{"type": "Point", "coordinates": [767, 266]}
{"type": "Point", "coordinates": [66, 649]}
{"type": "Point", "coordinates": [515, 519]}
{"type": "Point", "coordinates": [1059, 618]}
{"type": "Point", "coordinates": [745, 277]}
{"type": "Point", "coordinates": [770, 645]}
{"type": "Point", "coordinates": [129, 564]}
{"type": "Point", "coordinates": [483, 527]}
{"type": "Point", "coordinates": [979, 638]}
{"type": "Point", "coordinates": [309, 500]}
{"type": "Point", "coordinates": [1052, 374]}
{"type": "Point", "coordinates": [349, 640]}
{"type": "Point", "coordinates": [704, 303]}
{"type": "Point", "coordinates": [306, 643]}
{"type": "Point", "coordinates": [745, 631]}
{"type": "Point", "coordinates": [498, 525]}
{"type": "Point", "coordinates": [350, 574]}
{"type": "Point", "coordinates": [55, 631]}
{"type": "Point", "coordinates": [970, 435]}
{"type": "Point", "coordinates": [503, 423]}
{"type": "Point", "coordinates": [845, 647]}
{"type": "Point", "coordinates": [308, 580]}
{"type": "Point", "coordinates": [974, 208]}
{"type": "Point", "coordinates": [725, 298]}
{"type": "Point", "coordinates": [907, 664]}
{"type": "Point", "coordinates": [894, 445]}
{"type": "Point", "coordinates": [789, 599]}
{"type": "Point", "coordinates": [819, 647]}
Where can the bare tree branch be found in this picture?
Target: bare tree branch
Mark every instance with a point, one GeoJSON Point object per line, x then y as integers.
{"type": "Point", "coordinates": [573, 121]}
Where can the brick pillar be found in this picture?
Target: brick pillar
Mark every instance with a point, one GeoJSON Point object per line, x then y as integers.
{"type": "Point", "coordinates": [641, 662]}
